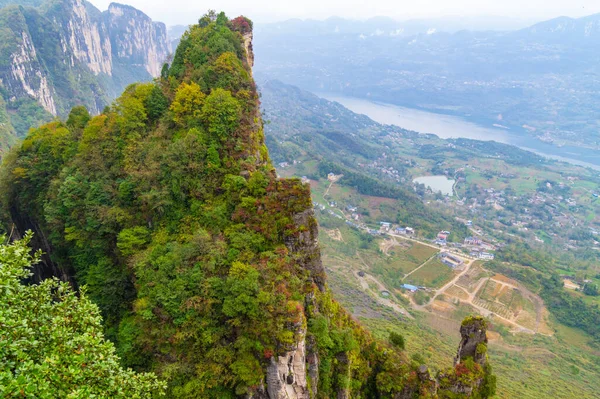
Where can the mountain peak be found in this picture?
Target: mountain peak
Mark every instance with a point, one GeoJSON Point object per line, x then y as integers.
{"type": "Point", "coordinates": [575, 28]}
{"type": "Point", "coordinates": [205, 265]}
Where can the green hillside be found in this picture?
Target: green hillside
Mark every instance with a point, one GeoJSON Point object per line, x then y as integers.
{"type": "Point", "coordinates": [549, 362]}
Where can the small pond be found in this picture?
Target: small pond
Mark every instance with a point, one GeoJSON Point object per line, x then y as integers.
{"type": "Point", "coordinates": [437, 183]}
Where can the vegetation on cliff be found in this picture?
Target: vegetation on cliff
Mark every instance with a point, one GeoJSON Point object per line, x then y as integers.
{"type": "Point", "coordinates": [204, 265]}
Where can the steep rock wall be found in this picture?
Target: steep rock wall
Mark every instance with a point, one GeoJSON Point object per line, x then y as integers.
{"type": "Point", "coordinates": [28, 75]}
{"type": "Point", "coordinates": [85, 34]}
{"type": "Point", "coordinates": [136, 39]}
{"type": "Point", "coordinates": [67, 53]}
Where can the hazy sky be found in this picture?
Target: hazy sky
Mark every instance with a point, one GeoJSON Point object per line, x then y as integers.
{"type": "Point", "coordinates": [185, 11]}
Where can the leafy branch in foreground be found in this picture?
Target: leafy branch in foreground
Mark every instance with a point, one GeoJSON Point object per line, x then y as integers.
{"type": "Point", "coordinates": [51, 340]}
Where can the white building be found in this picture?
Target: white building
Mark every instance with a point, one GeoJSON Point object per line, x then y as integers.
{"type": "Point", "coordinates": [486, 256]}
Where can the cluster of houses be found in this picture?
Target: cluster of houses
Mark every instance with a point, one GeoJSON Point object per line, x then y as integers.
{"type": "Point", "coordinates": [479, 249]}
{"type": "Point", "coordinates": [574, 283]}
{"type": "Point", "coordinates": [388, 227]}
{"type": "Point", "coordinates": [482, 255]}
{"type": "Point", "coordinates": [333, 177]}
{"type": "Point", "coordinates": [407, 231]}
{"type": "Point", "coordinates": [442, 238]}
{"type": "Point", "coordinates": [283, 165]}
{"type": "Point", "coordinates": [318, 206]}
{"type": "Point", "coordinates": [354, 215]}
{"type": "Point", "coordinates": [389, 172]}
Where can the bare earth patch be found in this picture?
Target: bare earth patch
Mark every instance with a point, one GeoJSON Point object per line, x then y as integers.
{"type": "Point", "coordinates": [334, 234]}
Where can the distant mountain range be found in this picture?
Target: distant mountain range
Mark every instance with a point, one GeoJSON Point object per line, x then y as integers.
{"type": "Point", "coordinates": [562, 28]}
{"type": "Point", "coordinates": [388, 26]}
{"type": "Point", "coordinates": [541, 80]}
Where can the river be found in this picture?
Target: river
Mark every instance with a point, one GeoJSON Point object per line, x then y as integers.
{"type": "Point", "coordinates": [448, 126]}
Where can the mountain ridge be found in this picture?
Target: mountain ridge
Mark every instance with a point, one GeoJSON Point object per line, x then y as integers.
{"type": "Point", "coordinates": [204, 264]}
{"type": "Point", "coordinates": [519, 79]}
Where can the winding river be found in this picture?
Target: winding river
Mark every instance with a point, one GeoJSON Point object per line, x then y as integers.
{"type": "Point", "coordinates": [448, 126]}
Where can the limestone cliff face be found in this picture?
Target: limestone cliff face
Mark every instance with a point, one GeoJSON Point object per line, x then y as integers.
{"type": "Point", "coordinates": [28, 76]}
{"type": "Point", "coordinates": [122, 34]}
{"type": "Point", "coordinates": [86, 36]}
{"type": "Point", "coordinates": [67, 53]}
{"type": "Point", "coordinates": [288, 375]}
{"type": "Point", "coordinates": [249, 50]}
{"type": "Point", "coordinates": [136, 39]}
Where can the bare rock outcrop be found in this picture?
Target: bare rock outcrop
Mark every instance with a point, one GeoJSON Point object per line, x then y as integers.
{"type": "Point", "coordinates": [69, 53]}
{"type": "Point", "coordinates": [305, 246]}
{"type": "Point", "coordinates": [473, 332]}
{"type": "Point", "coordinates": [286, 375]}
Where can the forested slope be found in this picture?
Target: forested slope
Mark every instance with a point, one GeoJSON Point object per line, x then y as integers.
{"type": "Point", "coordinates": [205, 266]}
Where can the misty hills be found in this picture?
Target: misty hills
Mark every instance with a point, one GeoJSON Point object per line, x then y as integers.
{"type": "Point", "coordinates": [389, 26]}
{"type": "Point", "coordinates": [564, 28]}
{"type": "Point", "coordinates": [541, 80]}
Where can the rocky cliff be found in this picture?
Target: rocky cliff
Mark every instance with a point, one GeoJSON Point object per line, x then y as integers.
{"type": "Point", "coordinates": [205, 265]}
{"type": "Point", "coordinates": [136, 39]}
{"type": "Point", "coordinates": [66, 53]}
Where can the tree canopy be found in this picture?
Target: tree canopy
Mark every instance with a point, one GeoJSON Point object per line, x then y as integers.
{"type": "Point", "coordinates": [51, 340]}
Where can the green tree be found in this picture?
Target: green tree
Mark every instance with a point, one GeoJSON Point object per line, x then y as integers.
{"type": "Point", "coordinates": [227, 72]}
{"type": "Point", "coordinates": [397, 340]}
{"type": "Point", "coordinates": [187, 106]}
{"type": "Point", "coordinates": [156, 103]}
{"type": "Point", "coordinates": [132, 114]}
{"type": "Point", "coordinates": [207, 18]}
{"type": "Point", "coordinates": [221, 114]}
{"type": "Point", "coordinates": [78, 118]}
{"type": "Point", "coordinates": [51, 341]}
{"type": "Point", "coordinates": [591, 290]}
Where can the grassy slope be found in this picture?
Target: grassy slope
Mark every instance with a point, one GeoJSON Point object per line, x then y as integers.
{"type": "Point", "coordinates": [562, 366]}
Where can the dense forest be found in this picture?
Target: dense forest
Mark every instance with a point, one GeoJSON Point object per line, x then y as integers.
{"type": "Point", "coordinates": [51, 340]}
{"type": "Point", "coordinates": [203, 264]}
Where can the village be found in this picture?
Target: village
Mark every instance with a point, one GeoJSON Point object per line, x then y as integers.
{"type": "Point", "coordinates": [401, 267]}
{"type": "Point", "coordinates": [454, 255]}
{"type": "Point", "coordinates": [536, 208]}
{"type": "Point", "coordinates": [464, 281]}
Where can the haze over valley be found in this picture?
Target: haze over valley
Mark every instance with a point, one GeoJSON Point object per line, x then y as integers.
{"type": "Point", "coordinates": [310, 200]}
{"type": "Point", "coordinates": [538, 82]}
